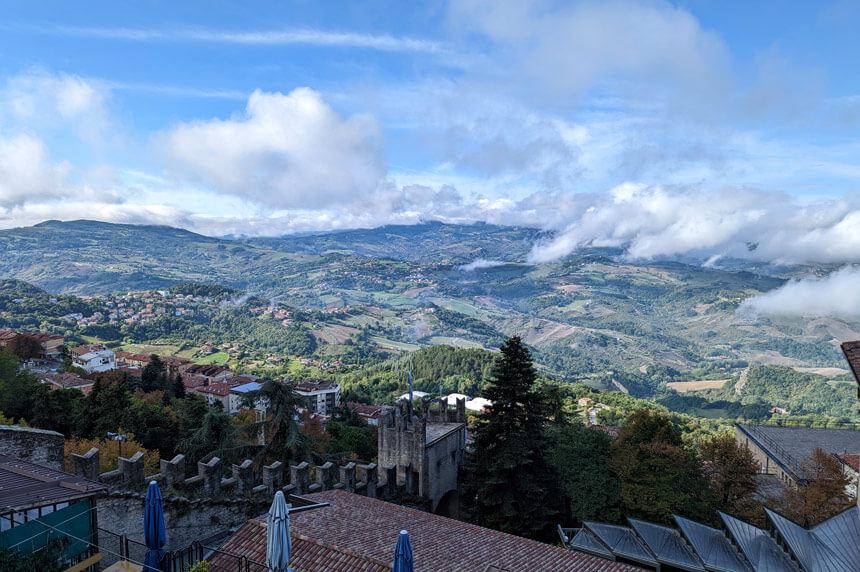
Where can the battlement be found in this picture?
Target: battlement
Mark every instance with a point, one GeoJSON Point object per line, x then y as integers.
{"type": "Point", "coordinates": [419, 453]}
{"type": "Point", "coordinates": [243, 482]}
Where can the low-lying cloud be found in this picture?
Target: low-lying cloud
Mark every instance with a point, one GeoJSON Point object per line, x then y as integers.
{"type": "Point", "coordinates": [480, 264]}
{"type": "Point", "coordinates": [835, 295]}
{"type": "Point", "coordinates": [652, 222]}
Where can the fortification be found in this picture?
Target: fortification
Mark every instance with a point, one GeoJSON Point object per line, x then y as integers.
{"type": "Point", "coordinates": [37, 446]}
{"type": "Point", "coordinates": [422, 450]}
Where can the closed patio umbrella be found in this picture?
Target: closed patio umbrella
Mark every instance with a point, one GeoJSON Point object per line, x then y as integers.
{"type": "Point", "coordinates": [278, 545]}
{"type": "Point", "coordinates": [403, 553]}
{"type": "Point", "coordinates": [153, 529]}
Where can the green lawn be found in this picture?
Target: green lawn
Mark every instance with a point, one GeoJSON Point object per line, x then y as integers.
{"type": "Point", "coordinates": [219, 358]}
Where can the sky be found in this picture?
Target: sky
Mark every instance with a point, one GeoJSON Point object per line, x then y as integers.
{"type": "Point", "coordinates": [706, 128]}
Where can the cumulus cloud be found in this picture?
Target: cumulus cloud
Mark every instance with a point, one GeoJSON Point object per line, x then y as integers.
{"type": "Point", "coordinates": [836, 295]}
{"type": "Point", "coordinates": [284, 151]}
{"type": "Point", "coordinates": [480, 264]}
{"type": "Point", "coordinates": [27, 172]}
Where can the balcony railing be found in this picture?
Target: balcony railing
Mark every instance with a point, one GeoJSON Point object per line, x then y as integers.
{"type": "Point", "coordinates": [118, 547]}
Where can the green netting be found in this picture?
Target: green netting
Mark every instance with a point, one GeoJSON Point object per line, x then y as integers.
{"type": "Point", "coordinates": [74, 521]}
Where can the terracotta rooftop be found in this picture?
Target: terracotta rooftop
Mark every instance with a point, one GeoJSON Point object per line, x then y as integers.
{"type": "Point", "coordinates": [365, 410]}
{"type": "Point", "coordinates": [852, 460]}
{"type": "Point", "coordinates": [87, 348]}
{"type": "Point", "coordinates": [221, 389]}
{"type": "Point", "coordinates": [366, 530]}
{"type": "Point", "coordinates": [852, 355]}
{"type": "Point", "coordinates": [66, 380]}
{"type": "Point", "coordinates": [308, 554]}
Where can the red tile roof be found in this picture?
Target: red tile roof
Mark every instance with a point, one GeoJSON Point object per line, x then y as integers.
{"type": "Point", "coordinates": [365, 410]}
{"type": "Point", "coordinates": [852, 355]}
{"type": "Point", "coordinates": [357, 525]}
{"type": "Point", "coordinates": [852, 460]}
{"type": "Point", "coordinates": [221, 389]}
{"type": "Point", "coordinates": [308, 554]}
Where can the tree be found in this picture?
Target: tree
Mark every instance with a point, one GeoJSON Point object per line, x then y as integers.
{"type": "Point", "coordinates": [283, 439]}
{"type": "Point", "coordinates": [731, 470]}
{"type": "Point", "coordinates": [152, 377]}
{"type": "Point", "coordinates": [822, 496]}
{"type": "Point", "coordinates": [178, 387]}
{"type": "Point", "coordinates": [216, 436]}
{"type": "Point", "coordinates": [658, 476]}
{"type": "Point", "coordinates": [581, 455]}
{"type": "Point", "coordinates": [510, 485]}
{"type": "Point", "coordinates": [107, 405]}
{"type": "Point", "coordinates": [25, 347]}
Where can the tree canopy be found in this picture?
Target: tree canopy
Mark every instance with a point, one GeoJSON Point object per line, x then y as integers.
{"type": "Point", "coordinates": [510, 485]}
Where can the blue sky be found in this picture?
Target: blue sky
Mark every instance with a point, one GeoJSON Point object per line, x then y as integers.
{"type": "Point", "coordinates": [698, 128]}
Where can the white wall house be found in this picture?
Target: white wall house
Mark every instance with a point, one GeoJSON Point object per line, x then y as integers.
{"type": "Point", "coordinates": [93, 358]}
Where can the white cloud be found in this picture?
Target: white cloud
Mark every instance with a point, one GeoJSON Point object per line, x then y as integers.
{"type": "Point", "coordinates": [284, 151]}
{"type": "Point", "coordinates": [480, 264]}
{"type": "Point", "coordinates": [27, 215]}
{"type": "Point", "coordinates": [650, 222]}
{"type": "Point", "coordinates": [570, 48]}
{"type": "Point", "coordinates": [48, 102]}
{"type": "Point", "coordinates": [836, 295]}
{"type": "Point", "coordinates": [27, 172]}
{"type": "Point", "coordinates": [284, 37]}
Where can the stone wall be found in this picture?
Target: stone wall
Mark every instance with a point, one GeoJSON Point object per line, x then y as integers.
{"type": "Point", "coordinates": [421, 451]}
{"type": "Point", "coordinates": [34, 445]}
{"type": "Point", "coordinates": [186, 520]}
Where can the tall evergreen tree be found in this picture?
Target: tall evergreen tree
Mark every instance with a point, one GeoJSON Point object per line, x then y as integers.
{"type": "Point", "coordinates": [510, 485]}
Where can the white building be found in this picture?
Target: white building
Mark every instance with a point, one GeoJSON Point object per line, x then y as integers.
{"type": "Point", "coordinates": [322, 396]}
{"type": "Point", "coordinates": [93, 358]}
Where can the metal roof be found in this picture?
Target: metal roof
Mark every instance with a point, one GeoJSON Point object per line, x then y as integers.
{"type": "Point", "coordinates": [813, 554]}
{"type": "Point", "coordinates": [841, 534]}
{"type": "Point", "coordinates": [790, 446]}
{"type": "Point", "coordinates": [584, 542]}
{"type": "Point", "coordinates": [667, 545]}
{"type": "Point", "coordinates": [712, 546]}
{"type": "Point", "coordinates": [25, 485]}
{"type": "Point", "coordinates": [622, 541]}
{"type": "Point", "coordinates": [757, 546]}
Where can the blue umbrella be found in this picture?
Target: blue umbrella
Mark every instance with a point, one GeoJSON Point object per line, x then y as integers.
{"type": "Point", "coordinates": [278, 545]}
{"type": "Point", "coordinates": [153, 529]}
{"type": "Point", "coordinates": [403, 553]}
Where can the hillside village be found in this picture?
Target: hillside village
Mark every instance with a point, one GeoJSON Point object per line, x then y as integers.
{"type": "Point", "coordinates": [421, 450]}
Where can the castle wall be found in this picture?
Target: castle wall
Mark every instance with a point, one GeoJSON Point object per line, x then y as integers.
{"type": "Point", "coordinates": [443, 462]}
{"type": "Point", "coordinates": [37, 446]}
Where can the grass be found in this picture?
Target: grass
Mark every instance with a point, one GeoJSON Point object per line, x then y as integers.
{"type": "Point", "coordinates": [147, 349]}
{"type": "Point", "coordinates": [219, 358]}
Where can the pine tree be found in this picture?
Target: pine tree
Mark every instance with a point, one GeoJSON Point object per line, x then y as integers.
{"type": "Point", "coordinates": [510, 485]}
